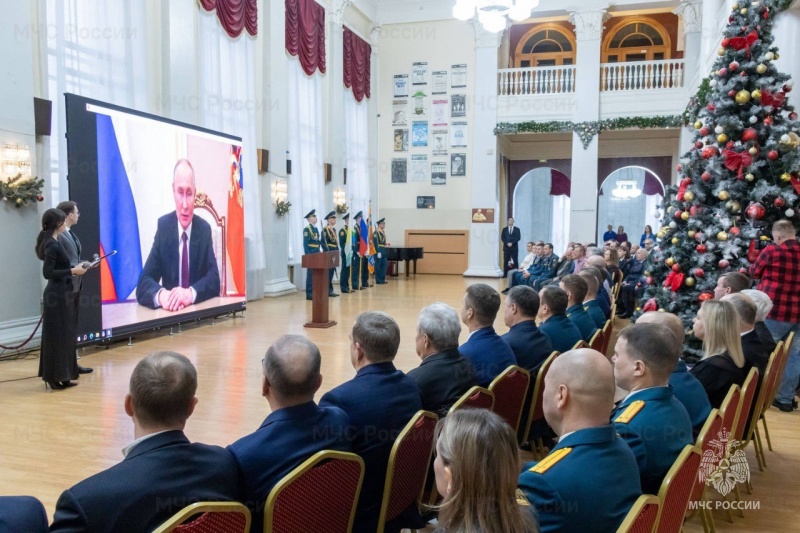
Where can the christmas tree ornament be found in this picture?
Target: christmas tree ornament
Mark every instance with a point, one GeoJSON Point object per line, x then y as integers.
{"type": "Point", "coordinates": [733, 65]}
{"type": "Point", "coordinates": [732, 93]}
{"type": "Point", "coordinates": [773, 155]}
{"type": "Point", "coordinates": [734, 231]}
{"type": "Point", "coordinates": [730, 144]}
{"type": "Point", "coordinates": [649, 280]}
{"type": "Point", "coordinates": [750, 134]}
{"type": "Point", "coordinates": [673, 224]}
{"type": "Point", "coordinates": [678, 214]}
{"type": "Point", "coordinates": [704, 131]}
{"type": "Point", "coordinates": [698, 144]}
{"type": "Point", "coordinates": [787, 88]}
{"type": "Point", "coordinates": [743, 11]}
{"type": "Point", "coordinates": [698, 125]}
{"type": "Point", "coordinates": [725, 42]}
{"type": "Point", "coordinates": [723, 195]}
{"type": "Point", "coordinates": [676, 267]}
{"type": "Point", "coordinates": [755, 211]}
{"type": "Point", "coordinates": [792, 116]}
{"type": "Point", "coordinates": [719, 129]}
{"type": "Point", "coordinates": [701, 248]}
{"type": "Point", "coordinates": [705, 176]}
{"type": "Point", "coordinates": [753, 119]}
{"type": "Point", "coordinates": [721, 138]}
{"type": "Point", "coordinates": [691, 233]}
{"type": "Point", "coordinates": [705, 296]}
{"type": "Point", "coordinates": [724, 263]}
{"type": "Point", "coordinates": [721, 52]}
{"type": "Point", "coordinates": [769, 56]}
{"type": "Point", "coordinates": [790, 213]}
{"type": "Point", "coordinates": [733, 206]}
{"type": "Point", "coordinates": [709, 152]}
{"type": "Point", "coordinates": [688, 196]}
{"type": "Point", "coordinates": [722, 236]}
{"type": "Point", "coordinates": [699, 237]}
{"type": "Point", "coordinates": [675, 240]}
{"type": "Point", "coordinates": [786, 177]}
{"type": "Point", "coordinates": [723, 72]}
{"type": "Point", "coordinates": [748, 176]}
{"type": "Point", "coordinates": [684, 216]}
{"type": "Point", "coordinates": [712, 83]}
{"type": "Point", "coordinates": [689, 282]}
{"type": "Point", "coordinates": [789, 141]}
{"type": "Point", "coordinates": [698, 272]}
{"type": "Point", "coordinates": [779, 202]}
{"type": "Point", "coordinates": [679, 167]}
{"type": "Point", "coordinates": [752, 151]}
{"type": "Point", "coordinates": [742, 97]}
{"type": "Point", "coordinates": [761, 69]}
{"type": "Point", "coordinates": [670, 261]}
{"type": "Point", "coordinates": [768, 121]}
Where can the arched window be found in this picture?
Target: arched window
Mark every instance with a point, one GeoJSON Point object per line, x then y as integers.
{"type": "Point", "coordinates": [545, 45]}
{"type": "Point", "coordinates": [636, 39]}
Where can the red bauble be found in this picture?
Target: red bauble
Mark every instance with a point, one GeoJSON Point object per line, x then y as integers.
{"type": "Point", "coordinates": [706, 296]}
{"type": "Point", "coordinates": [40, 198]}
{"type": "Point", "coordinates": [768, 121]}
{"type": "Point", "coordinates": [734, 231]}
{"type": "Point", "coordinates": [648, 280]}
{"type": "Point", "coordinates": [704, 131]}
{"type": "Point", "coordinates": [709, 152]}
{"type": "Point", "coordinates": [779, 202]}
{"type": "Point", "coordinates": [699, 272]}
{"type": "Point", "coordinates": [705, 176]}
{"type": "Point", "coordinates": [732, 93]}
{"type": "Point", "coordinates": [725, 42]}
{"type": "Point", "coordinates": [711, 107]}
{"type": "Point", "coordinates": [698, 144]}
{"type": "Point", "coordinates": [729, 145]}
{"type": "Point", "coordinates": [695, 210]}
{"type": "Point", "coordinates": [723, 72]}
{"type": "Point", "coordinates": [724, 263]}
{"type": "Point", "coordinates": [750, 134]}
{"type": "Point", "coordinates": [773, 155]}
{"type": "Point", "coordinates": [679, 167]}
{"type": "Point", "coordinates": [676, 267]}
{"type": "Point", "coordinates": [743, 74]}
{"type": "Point", "coordinates": [787, 89]}
{"type": "Point", "coordinates": [678, 214]}
{"type": "Point", "coordinates": [701, 249]}
{"type": "Point", "coordinates": [733, 65]}
{"type": "Point", "coordinates": [755, 211]}
{"type": "Point", "coordinates": [792, 116]}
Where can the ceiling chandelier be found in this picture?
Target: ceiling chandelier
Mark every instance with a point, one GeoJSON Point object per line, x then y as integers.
{"type": "Point", "coordinates": [492, 13]}
{"type": "Point", "coordinates": [626, 189]}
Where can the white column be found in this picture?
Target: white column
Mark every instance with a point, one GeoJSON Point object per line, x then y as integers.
{"type": "Point", "coordinates": [335, 139]}
{"type": "Point", "coordinates": [179, 81]}
{"type": "Point", "coordinates": [374, 131]}
{"type": "Point", "coordinates": [786, 31]}
{"type": "Point", "coordinates": [691, 14]}
{"type": "Point", "coordinates": [484, 239]}
{"type": "Point", "coordinates": [583, 196]}
{"type": "Point", "coordinates": [276, 241]}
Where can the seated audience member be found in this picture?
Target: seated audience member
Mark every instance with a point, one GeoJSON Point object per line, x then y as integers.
{"type": "Point", "coordinates": [553, 321]}
{"type": "Point", "coordinates": [684, 385]}
{"type": "Point", "coordinates": [590, 304]}
{"type": "Point", "coordinates": [547, 268]}
{"type": "Point", "coordinates": [379, 401]}
{"type": "Point", "coordinates": [731, 283]}
{"type": "Point", "coordinates": [763, 307]}
{"type": "Point", "coordinates": [602, 297]}
{"type": "Point", "coordinates": [296, 427]}
{"type": "Point", "coordinates": [648, 244]}
{"type": "Point", "coordinates": [565, 266]}
{"type": "Point", "coordinates": [486, 350]}
{"type": "Point", "coordinates": [22, 513]}
{"type": "Point", "coordinates": [564, 487]}
{"type": "Point", "coordinates": [630, 290]}
{"type": "Point", "coordinates": [576, 288]}
{"type": "Point", "coordinates": [599, 263]}
{"type": "Point", "coordinates": [470, 444]}
{"type": "Point", "coordinates": [530, 345]}
{"type": "Point", "coordinates": [523, 276]}
{"type": "Point", "coordinates": [526, 263]}
{"type": "Point", "coordinates": [579, 257]}
{"type": "Point", "coordinates": [444, 375]}
{"type": "Point", "coordinates": [611, 257]}
{"type": "Point", "coordinates": [722, 365]}
{"type": "Point", "coordinates": [162, 471]}
{"type": "Point", "coordinates": [756, 350]}
{"type": "Point", "coordinates": [651, 420]}
{"type": "Point", "coordinates": [625, 258]}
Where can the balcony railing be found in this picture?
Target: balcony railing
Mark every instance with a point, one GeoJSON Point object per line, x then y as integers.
{"type": "Point", "coordinates": [638, 75]}
{"type": "Point", "coordinates": [538, 80]}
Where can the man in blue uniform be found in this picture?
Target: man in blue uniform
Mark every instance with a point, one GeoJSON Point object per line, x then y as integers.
{"type": "Point", "coordinates": [553, 321]}
{"type": "Point", "coordinates": [356, 260]}
{"type": "Point", "coordinates": [381, 263]}
{"type": "Point", "coordinates": [576, 289]}
{"type": "Point", "coordinates": [311, 244]}
{"type": "Point", "coordinates": [651, 420]}
{"type": "Point", "coordinates": [330, 244]}
{"type": "Point", "coordinates": [548, 265]}
{"type": "Point", "coordinates": [529, 344]}
{"type": "Point", "coordinates": [563, 487]}
{"type": "Point", "coordinates": [590, 304]}
{"type": "Point", "coordinates": [344, 272]}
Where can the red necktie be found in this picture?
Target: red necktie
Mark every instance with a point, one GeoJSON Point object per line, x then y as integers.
{"type": "Point", "coordinates": [185, 262]}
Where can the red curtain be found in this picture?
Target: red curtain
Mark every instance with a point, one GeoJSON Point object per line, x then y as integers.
{"type": "Point", "coordinates": [305, 34]}
{"type": "Point", "coordinates": [559, 183]}
{"type": "Point", "coordinates": [652, 185]}
{"type": "Point", "coordinates": [235, 15]}
{"type": "Point", "coordinates": [357, 54]}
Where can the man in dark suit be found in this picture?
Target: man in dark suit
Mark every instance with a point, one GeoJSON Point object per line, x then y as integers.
{"type": "Point", "coordinates": [379, 401]}
{"type": "Point", "coordinates": [72, 246]}
{"type": "Point", "coordinates": [553, 321]}
{"type": "Point", "coordinates": [576, 289]}
{"type": "Point", "coordinates": [296, 427]}
{"type": "Point", "coordinates": [181, 269]}
{"type": "Point", "coordinates": [530, 345]}
{"type": "Point", "coordinates": [22, 513]}
{"type": "Point", "coordinates": [563, 487]}
{"type": "Point", "coordinates": [651, 420]}
{"type": "Point", "coordinates": [510, 237]}
{"type": "Point", "coordinates": [631, 288]}
{"type": "Point", "coordinates": [162, 471]}
{"type": "Point", "coordinates": [487, 351]}
{"type": "Point", "coordinates": [686, 388]}
{"type": "Point", "coordinates": [444, 375]}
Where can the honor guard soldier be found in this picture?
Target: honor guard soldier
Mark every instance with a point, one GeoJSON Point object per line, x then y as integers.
{"type": "Point", "coordinates": [329, 244]}
{"type": "Point", "coordinates": [344, 273]}
{"type": "Point", "coordinates": [311, 244]}
{"type": "Point", "coordinates": [379, 241]}
{"type": "Point", "coordinates": [356, 264]}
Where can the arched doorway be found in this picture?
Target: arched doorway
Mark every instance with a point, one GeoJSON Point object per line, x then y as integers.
{"type": "Point", "coordinates": [541, 207]}
{"type": "Point", "coordinates": [629, 197]}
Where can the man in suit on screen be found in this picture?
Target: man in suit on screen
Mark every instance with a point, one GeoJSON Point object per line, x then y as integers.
{"type": "Point", "coordinates": [181, 269]}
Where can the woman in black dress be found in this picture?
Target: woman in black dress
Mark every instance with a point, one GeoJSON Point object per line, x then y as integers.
{"type": "Point", "coordinates": [57, 363]}
{"type": "Point", "coordinates": [722, 365]}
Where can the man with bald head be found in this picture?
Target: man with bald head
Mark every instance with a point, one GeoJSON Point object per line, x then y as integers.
{"type": "Point", "coordinates": [295, 429]}
{"type": "Point", "coordinates": [651, 420]}
{"type": "Point", "coordinates": [686, 388]}
{"type": "Point", "coordinates": [563, 487]}
{"type": "Point", "coordinates": [181, 269]}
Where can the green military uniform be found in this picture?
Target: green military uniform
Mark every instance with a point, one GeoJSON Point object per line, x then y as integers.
{"type": "Point", "coordinates": [344, 273]}
{"type": "Point", "coordinates": [311, 245]}
{"type": "Point", "coordinates": [329, 244]}
{"type": "Point", "coordinates": [381, 262]}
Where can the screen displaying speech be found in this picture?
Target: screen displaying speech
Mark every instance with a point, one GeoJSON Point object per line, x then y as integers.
{"type": "Point", "coordinates": [167, 198]}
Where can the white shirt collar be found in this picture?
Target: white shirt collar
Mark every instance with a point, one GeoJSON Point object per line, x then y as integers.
{"type": "Point", "coordinates": [565, 435]}
{"type": "Point", "coordinates": [637, 392]}
{"type": "Point", "coordinates": [188, 233]}
{"type": "Point", "coordinates": [746, 332]}
{"type": "Point", "coordinates": [127, 449]}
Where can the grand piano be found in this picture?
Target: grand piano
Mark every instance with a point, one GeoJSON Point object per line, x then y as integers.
{"type": "Point", "coordinates": [394, 253]}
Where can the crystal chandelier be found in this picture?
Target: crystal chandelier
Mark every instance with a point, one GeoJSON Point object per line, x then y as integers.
{"type": "Point", "coordinates": [492, 13]}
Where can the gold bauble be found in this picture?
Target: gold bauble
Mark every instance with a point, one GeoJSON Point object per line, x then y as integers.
{"type": "Point", "coordinates": [646, 273]}
{"type": "Point", "coordinates": [761, 68]}
{"type": "Point", "coordinates": [723, 195]}
{"type": "Point", "coordinates": [685, 216]}
{"type": "Point", "coordinates": [721, 52]}
{"type": "Point", "coordinates": [688, 196]}
{"type": "Point", "coordinates": [733, 206]}
{"type": "Point", "coordinates": [756, 94]}
{"type": "Point", "coordinates": [670, 261]}
{"type": "Point", "coordinates": [675, 240]}
{"type": "Point", "coordinates": [743, 11]}
{"type": "Point", "coordinates": [786, 177]}
{"type": "Point", "coordinates": [698, 125]}
{"type": "Point", "coordinates": [722, 236]}
{"type": "Point", "coordinates": [777, 55]}
{"type": "Point", "coordinates": [764, 238]}
{"type": "Point", "coordinates": [749, 177]}
{"type": "Point", "coordinates": [689, 282]}
{"type": "Point", "coordinates": [735, 7]}
{"type": "Point", "coordinates": [692, 233]}
{"type": "Point", "coordinates": [753, 150]}
{"type": "Point", "coordinates": [742, 97]}
{"type": "Point", "coordinates": [660, 234]}
{"type": "Point", "coordinates": [722, 138]}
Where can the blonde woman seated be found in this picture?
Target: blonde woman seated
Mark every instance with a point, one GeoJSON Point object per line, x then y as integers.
{"type": "Point", "coordinates": [476, 468]}
{"type": "Point", "coordinates": [722, 365]}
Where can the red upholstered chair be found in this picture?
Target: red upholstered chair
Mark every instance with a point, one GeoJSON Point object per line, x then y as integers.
{"type": "Point", "coordinates": [708, 464]}
{"type": "Point", "coordinates": [775, 383]}
{"type": "Point", "coordinates": [510, 389]}
{"type": "Point", "coordinates": [642, 516]}
{"type": "Point", "coordinates": [608, 327]}
{"type": "Point", "coordinates": [536, 413]}
{"type": "Point", "coordinates": [319, 495]}
{"type": "Point", "coordinates": [597, 341]}
{"type": "Point", "coordinates": [474, 398]}
{"type": "Point", "coordinates": [408, 467]}
{"type": "Point", "coordinates": [759, 405]}
{"type": "Point", "coordinates": [676, 490]}
{"type": "Point", "coordinates": [748, 396]}
{"type": "Point", "coordinates": [579, 344]}
{"type": "Point", "coordinates": [730, 408]}
{"type": "Point", "coordinates": [216, 517]}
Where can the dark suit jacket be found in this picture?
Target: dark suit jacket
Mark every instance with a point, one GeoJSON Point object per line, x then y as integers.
{"type": "Point", "coordinates": [286, 438]}
{"type": "Point", "coordinates": [717, 373]}
{"type": "Point", "coordinates": [581, 318]}
{"type": "Point", "coordinates": [72, 246]}
{"type": "Point", "coordinates": [162, 268]}
{"type": "Point", "coordinates": [529, 344]}
{"type": "Point", "coordinates": [158, 478]}
{"type": "Point", "coordinates": [592, 307]}
{"type": "Point", "coordinates": [657, 427]}
{"type": "Point", "coordinates": [689, 391]}
{"type": "Point", "coordinates": [22, 514]}
{"type": "Point", "coordinates": [561, 332]}
{"type": "Point", "coordinates": [379, 402]}
{"type": "Point", "coordinates": [565, 492]}
{"type": "Point", "coordinates": [442, 379]}
{"type": "Point", "coordinates": [489, 354]}
{"type": "Point", "coordinates": [756, 351]}
{"type": "Point", "coordinates": [513, 238]}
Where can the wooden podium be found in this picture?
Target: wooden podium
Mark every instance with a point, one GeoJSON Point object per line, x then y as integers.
{"type": "Point", "coordinates": [320, 263]}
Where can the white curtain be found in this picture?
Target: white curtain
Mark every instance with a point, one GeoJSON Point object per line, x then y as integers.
{"type": "Point", "coordinates": [357, 154]}
{"type": "Point", "coordinates": [95, 49]}
{"type": "Point", "coordinates": [228, 87]}
{"type": "Point", "coordinates": [560, 225]}
{"type": "Point", "coordinates": [306, 184]}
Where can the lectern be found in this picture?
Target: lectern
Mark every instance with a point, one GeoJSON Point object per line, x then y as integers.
{"type": "Point", "coordinates": [320, 264]}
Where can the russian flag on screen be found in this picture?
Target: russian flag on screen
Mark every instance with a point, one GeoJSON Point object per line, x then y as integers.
{"type": "Point", "coordinates": [119, 225]}
{"type": "Point", "coordinates": [363, 247]}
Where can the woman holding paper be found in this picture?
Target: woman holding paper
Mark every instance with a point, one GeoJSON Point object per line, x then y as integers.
{"type": "Point", "coordinates": [57, 363]}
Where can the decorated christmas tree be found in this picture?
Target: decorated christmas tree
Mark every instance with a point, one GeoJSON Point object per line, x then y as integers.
{"type": "Point", "coordinates": [741, 175]}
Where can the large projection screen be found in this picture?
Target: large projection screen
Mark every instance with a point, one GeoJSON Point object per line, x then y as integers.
{"type": "Point", "coordinates": [141, 183]}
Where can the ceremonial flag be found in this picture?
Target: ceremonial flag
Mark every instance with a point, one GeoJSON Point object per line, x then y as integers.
{"type": "Point", "coordinates": [371, 256]}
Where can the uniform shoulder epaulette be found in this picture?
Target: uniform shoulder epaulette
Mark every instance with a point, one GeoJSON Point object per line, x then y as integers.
{"type": "Point", "coordinates": [305, 232]}
{"type": "Point", "coordinates": [631, 411]}
{"type": "Point", "coordinates": [551, 460]}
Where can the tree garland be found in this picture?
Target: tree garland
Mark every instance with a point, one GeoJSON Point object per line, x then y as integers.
{"type": "Point", "coordinates": [22, 192]}
{"type": "Point", "coordinates": [586, 131]}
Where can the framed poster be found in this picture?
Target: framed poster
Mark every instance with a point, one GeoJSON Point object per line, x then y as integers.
{"type": "Point", "coordinates": [458, 105]}
{"type": "Point", "coordinates": [400, 112]}
{"type": "Point", "coordinates": [419, 133]}
{"type": "Point", "coordinates": [483, 216]}
{"type": "Point", "coordinates": [401, 140]}
{"type": "Point", "coordinates": [399, 170]}
{"type": "Point", "coordinates": [440, 106]}
{"type": "Point", "coordinates": [419, 73]}
{"type": "Point", "coordinates": [458, 135]}
{"type": "Point", "coordinates": [419, 167]}
{"type": "Point", "coordinates": [439, 142]}
{"type": "Point", "coordinates": [439, 173]}
{"type": "Point", "coordinates": [439, 82]}
{"type": "Point", "coordinates": [426, 202]}
{"type": "Point", "coordinates": [400, 85]}
{"type": "Point", "coordinates": [458, 76]}
{"type": "Point", "coordinates": [458, 165]}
